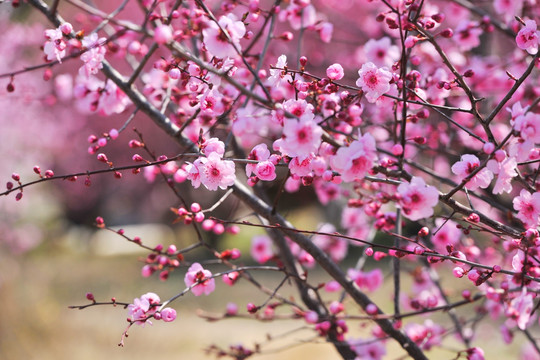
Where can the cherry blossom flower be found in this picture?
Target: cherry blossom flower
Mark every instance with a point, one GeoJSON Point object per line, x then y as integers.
{"type": "Point", "coordinates": [528, 126]}
{"type": "Point", "coordinates": [55, 46]}
{"type": "Point", "coordinates": [519, 310]}
{"type": "Point", "coordinates": [168, 314]}
{"type": "Point", "coordinates": [374, 81]}
{"type": "Point", "coordinates": [368, 349]}
{"type": "Point", "coordinates": [213, 145]}
{"type": "Point", "coordinates": [326, 31]}
{"type": "Point", "coordinates": [467, 164]}
{"type": "Point", "coordinates": [427, 335]}
{"type": "Point", "coordinates": [370, 280]}
{"type": "Point", "coordinates": [335, 72]}
{"type": "Point", "coordinates": [506, 171]}
{"type": "Point", "coordinates": [163, 34]}
{"type": "Point", "coordinates": [300, 137]}
{"type": "Point", "coordinates": [467, 35]}
{"type": "Point", "coordinates": [354, 161]}
{"type": "Point", "coordinates": [334, 246]}
{"type": "Point", "coordinates": [214, 172]}
{"type": "Point", "coordinates": [528, 208]}
{"type": "Point", "coordinates": [508, 8]}
{"type": "Point", "coordinates": [528, 37]}
{"type": "Point", "coordinates": [417, 199]}
{"type": "Point", "coordinates": [299, 16]}
{"type": "Point", "coordinates": [142, 308]}
{"type": "Point", "coordinates": [446, 235]}
{"type": "Point", "coordinates": [278, 76]}
{"type": "Point", "coordinates": [381, 52]}
{"type": "Point", "coordinates": [262, 248]}
{"type": "Point", "coordinates": [205, 283]}
{"type": "Point", "coordinates": [218, 43]}
{"type": "Point", "coordinates": [94, 54]}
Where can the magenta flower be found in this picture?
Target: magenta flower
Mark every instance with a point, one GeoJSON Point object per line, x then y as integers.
{"type": "Point", "coordinates": [215, 172]}
{"type": "Point", "coordinates": [528, 37]}
{"type": "Point", "coordinates": [520, 308]}
{"type": "Point", "coordinates": [261, 248]}
{"type": "Point", "coordinates": [354, 161]}
{"type": "Point", "coordinates": [506, 171]}
{"type": "Point", "coordinates": [528, 126]}
{"type": "Point", "coordinates": [201, 280]}
{"type": "Point", "coordinates": [370, 280]}
{"type": "Point", "coordinates": [381, 52]}
{"type": "Point", "coordinates": [55, 46]}
{"type": "Point", "coordinates": [335, 72]}
{"type": "Point", "coordinates": [466, 166]}
{"type": "Point", "coordinates": [374, 81]}
{"type": "Point", "coordinates": [143, 307]}
{"type": "Point", "coordinates": [300, 137]}
{"type": "Point", "coordinates": [335, 247]}
{"type": "Point", "coordinates": [168, 314]}
{"type": "Point", "coordinates": [417, 199]}
{"type": "Point", "coordinates": [216, 41]}
{"type": "Point", "coordinates": [528, 208]}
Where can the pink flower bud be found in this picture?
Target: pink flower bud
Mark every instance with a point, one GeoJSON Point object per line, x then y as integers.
{"type": "Point", "coordinates": [311, 317]}
{"type": "Point", "coordinates": [168, 314]}
{"type": "Point", "coordinates": [66, 28]}
{"type": "Point", "coordinates": [489, 148]}
{"type": "Point", "coordinates": [163, 34]}
{"type": "Point", "coordinates": [195, 207]}
{"type": "Point", "coordinates": [371, 309]}
{"type": "Point", "coordinates": [113, 133]}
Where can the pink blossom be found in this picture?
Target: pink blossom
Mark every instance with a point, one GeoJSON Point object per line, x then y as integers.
{"type": "Point", "coordinates": [528, 37]}
{"type": "Point", "coordinates": [205, 283]}
{"type": "Point", "coordinates": [55, 46]}
{"type": "Point", "coordinates": [94, 54]}
{"type": "Point", "coordinates": [299, 15]}
{"type": "Point", "coordinates": [520, 308]}
{"type": "Point", "coordinates": [214, 172]}
{"type": "Point", "coordinates": [368, 349]}
{"type": "Point", "coordinates": [326, 31]}
{"type": "Point", "coordinates": [216, 40]}
{"type": "Point", "coordinates": [528, 126]}
{"type": "Point", "coordinates": [370, 280]}
{"type": "Point", "coordinates": [446, 235]}
{"type": "Point", "coordinates": [334, 246]}
{"type": "Point", "coordinates": [213, 145]}
{"type": "Point", "coordinates": [262, 248]}
{"type": "Point", "coordinates": [168, 314]}
{"type": "Point", "coordinates": [335, 72]}
{"type": "Point", "coordinates": [417, 199]}
{"type": "Point", "coordinates": [210, 102]}
{"type": "Point", "coordinates": [508, 8]}
{"type": "Point", "coordinates": [374, 81]}
{"type": "Point", "coordinates": [265, 169]}
{"type": "Point", "coordinates": [278, 77]}
{"type": "Point", "coordinates": [506, 171]}
{"type": "Point", "coordinates": [466, 166]}
{"type": "Point", "coordinates": [475, 353]}
{"type": "Point", "coordinates": [528, 208]}
{"type": "Point", "coordinates": [143, 307]}
{"type": "Point", "coordinates": [354, 161]}
{"type": "Point", "coordinates": [427, 335]}
{"type": "Point", "coordinates": [467, 35]}
{"type": "Point", "coordinates": [301, 166]}
{"type": "Point", "coordinates": [381, 52]}
{"type": "Point", "coordinates": [163, 34]}
{"type": "Point", "coordinates": [300, 138]}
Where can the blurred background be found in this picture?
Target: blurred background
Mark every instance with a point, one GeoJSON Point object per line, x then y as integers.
{"type": "Point", "coordinates": [51, 255]}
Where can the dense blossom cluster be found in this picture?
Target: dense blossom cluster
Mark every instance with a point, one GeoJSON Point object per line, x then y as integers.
{"type": "Point", "coordinates": [424, 134]}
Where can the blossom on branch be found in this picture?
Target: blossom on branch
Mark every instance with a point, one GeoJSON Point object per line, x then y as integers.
{"type": "Point", "coordinates": [200, 279]}
{"type": "Point", "coordinates": [466, 166]}
{"type": "Point", "coordinates": [222, 38]}
{"type": "Point", "coordinates": [354, 161]}
{"type": "Point", "coordinates": [528, 37]}
{"type": "Point", "coordinates": [374, 81]}
{"type": "Point", "coordinates": [417, 199]}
